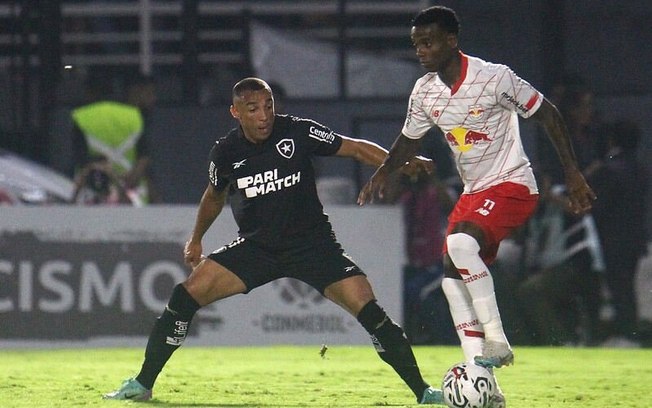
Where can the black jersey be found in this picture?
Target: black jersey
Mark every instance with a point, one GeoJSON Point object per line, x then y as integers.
{"type": "Point", "coordinates": [271, 185]}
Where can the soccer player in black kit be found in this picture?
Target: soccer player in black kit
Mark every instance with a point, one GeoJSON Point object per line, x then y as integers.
{"type": "Point", "coordinates": [264, 166]}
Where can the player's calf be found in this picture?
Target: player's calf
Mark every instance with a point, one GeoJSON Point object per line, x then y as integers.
{"type": "Point", "coordinates": [392, 346]}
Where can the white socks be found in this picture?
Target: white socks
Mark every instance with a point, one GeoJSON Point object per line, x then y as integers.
{"type": "Point", "coordinates": [467, 325]}
{"type": "Point", "coordinates": [464, 251]}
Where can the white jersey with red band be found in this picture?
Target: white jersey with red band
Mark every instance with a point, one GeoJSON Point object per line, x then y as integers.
{"type": "Point", "coordinates": [478, 117]}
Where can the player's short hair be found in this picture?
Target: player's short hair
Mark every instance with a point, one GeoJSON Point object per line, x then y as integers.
{"type": "Point", "coordinates": [249, 84]}
{"type": "Point", "coordinates": [444, 17]}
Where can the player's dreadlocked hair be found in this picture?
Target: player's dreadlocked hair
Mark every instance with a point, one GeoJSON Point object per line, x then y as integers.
{"type": "Point", "coordinates": [444, 17]}
{"type": "Point", "coordinates": [249, 84]}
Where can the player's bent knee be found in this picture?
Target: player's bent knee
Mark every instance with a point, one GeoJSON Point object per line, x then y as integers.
{"type": "Point", "coordinates": [352, 293]}
{"type": "Point", "coordinates": [211, 281]}
{"type": "Point", "coordinates": [460, 246]}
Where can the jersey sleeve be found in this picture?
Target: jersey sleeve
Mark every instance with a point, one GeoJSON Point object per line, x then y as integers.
{"type": "Point", "coordinates": [321, 139]}
{"type": "Point", "coordinates": [516, 94]}
{"type": "Point", "coordinates": [217, 172]}
{"type": "Point", "coordinates": [417, 122]}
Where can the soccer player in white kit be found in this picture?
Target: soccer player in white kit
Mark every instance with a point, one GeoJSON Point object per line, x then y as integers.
{"type": "Point", "coordinates": [475, 103]}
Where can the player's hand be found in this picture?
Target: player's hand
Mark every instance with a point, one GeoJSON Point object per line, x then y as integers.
{"type": "Point", "coordinates": [418, 165]}
{"type": "Point", "coordinates": [375, 186]}
{"type": "Point", "coordinates": [580, 194]}
{"type": "Point", "coordinates": [192, 253]}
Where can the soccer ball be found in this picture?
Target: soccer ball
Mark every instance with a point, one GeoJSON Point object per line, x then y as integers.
{"type": "Point", "coordinates": [467, 385]}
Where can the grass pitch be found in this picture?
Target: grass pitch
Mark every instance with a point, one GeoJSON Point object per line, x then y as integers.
{"type": "Point", "coordinates": [348, 377]}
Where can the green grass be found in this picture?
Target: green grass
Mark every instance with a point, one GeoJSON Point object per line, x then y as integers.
{"type": "Point", "coordinates": [299, 377]}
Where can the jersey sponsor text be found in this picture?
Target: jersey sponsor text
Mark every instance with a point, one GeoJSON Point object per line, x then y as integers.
{"type": "Point", "coordinates": [266, 182]}
{"type": "Point", "coordinates": [514, 102]}
{"type": "Point", "coordinates": [180, 333]}
{"type": "Point", "coordinates": [321, 135]}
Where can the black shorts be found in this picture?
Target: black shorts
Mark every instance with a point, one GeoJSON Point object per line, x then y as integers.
{"type": "Point", "coordinates": [318, 261]}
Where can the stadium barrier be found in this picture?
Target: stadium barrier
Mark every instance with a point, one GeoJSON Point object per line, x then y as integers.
{"type": "Point", "coordinates": [99, 276]}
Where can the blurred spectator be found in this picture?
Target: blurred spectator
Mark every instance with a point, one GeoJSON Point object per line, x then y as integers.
{"type": "Point", "coordinates": [559, 296]}
{"type": "Point", "coordinates": [574, 99]}
{"type": "Point", "coordinates": [567, 81]}
{"type": "Point", "coordinates": [97, 184]}
{"type": "Point", "coordinates": [118, 131]}
{"type": "Point", "coordinates": [561, 293]}
{"type": "Point", "coordinates": [426, 202]}
{"type": "Point", "coordinates": [142, 93]}
{"type": "Point", "coordinates": [621, 184]}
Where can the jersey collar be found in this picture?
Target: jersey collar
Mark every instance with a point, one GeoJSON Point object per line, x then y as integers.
{"type": "Point", "coordinates": [464, 64]}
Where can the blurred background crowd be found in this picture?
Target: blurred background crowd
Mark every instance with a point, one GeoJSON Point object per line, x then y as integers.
{"type": "Point", "coordinates": [118, 102]}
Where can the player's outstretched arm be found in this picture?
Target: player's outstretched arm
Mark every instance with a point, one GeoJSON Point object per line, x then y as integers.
{"type": "Point", "coordinates": [210, 206]}
{"type": "Point", "coordinates": [402, 155]}
{"type": "Point", "coordinates": [362, 150]}
{"type": "Point", "coordinates": [579, 193]}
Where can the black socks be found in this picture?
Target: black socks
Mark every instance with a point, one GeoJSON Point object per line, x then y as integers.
{"type": "Point", "coordinates": [172, 326]}
{"type": "Point", "coordinates": [168, 334]}
{"type": "Point", "coordinates": [392, 346]}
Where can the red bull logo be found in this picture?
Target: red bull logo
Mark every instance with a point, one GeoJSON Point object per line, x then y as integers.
{"type": "Point", "coordinates": [464, 139]}
{"type": "Point", "coordinates": [476, 111]}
